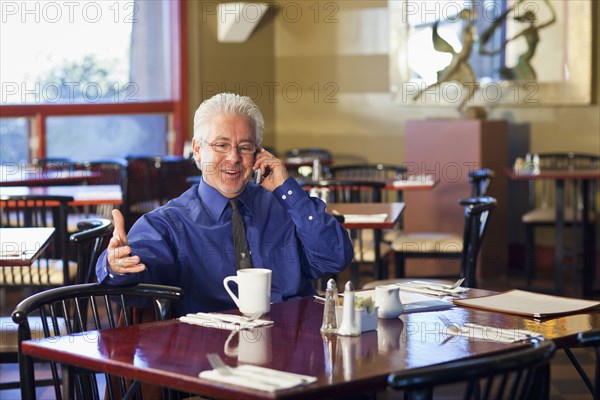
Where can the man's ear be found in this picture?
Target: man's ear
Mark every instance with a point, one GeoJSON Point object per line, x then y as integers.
{"type": "Point", "coordinates": [196, 149]}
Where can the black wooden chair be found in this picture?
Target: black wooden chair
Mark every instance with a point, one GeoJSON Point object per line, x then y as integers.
{"type": "Point", "coordinates": [477, 213]}
{"type": "Point", "coordinates": [80, 308]}
{"type": "Point", "coordinates": [89, 243]}
{"type": "Point", "coordinates": [516, 374]}
{"type": "Point", "coordinates": [437, 245]}
{"type": "Point", "coordinates": [542, 207]}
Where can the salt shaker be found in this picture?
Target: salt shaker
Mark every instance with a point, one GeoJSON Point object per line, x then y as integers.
{"type": "Point", "coordinates": [349, 325]}
{"type": "Point", "coordinates": [330, 325]}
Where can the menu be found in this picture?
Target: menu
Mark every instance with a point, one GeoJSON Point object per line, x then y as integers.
{"type": "Point", "coordinates": [531, 304]}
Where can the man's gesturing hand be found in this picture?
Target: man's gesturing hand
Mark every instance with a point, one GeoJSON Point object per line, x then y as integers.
{"type": "Point", "coordinates": [118, 254]}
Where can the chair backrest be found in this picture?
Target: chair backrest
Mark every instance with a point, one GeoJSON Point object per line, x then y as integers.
{"type": "Point", "coordinates": [480, 180]}
{"type": "Point", "coordinates": [477, 213]}
{"type": "Point", "coordinates": [89, 243]}
{"type": "Point", "coordinates": [38, 211]}
{"type": "Point", "coordinates": [522, 373]}
{"type": "Point", "coordinates": [541, 192]}
{"type": "Point", "coordinates": [56, 163]}
{"type": "Point", "coordinates": [300, 156]}
{"type": "Point", "coordinates": [79, 308]}
{"type": "Point", "coordinates": [300, 162]}
{"type": "Point", "coordinates": [349, 191]}
{"type": "Point", "coordinates": [373, 171]}
{"type": "Point", "coordinates": [365, 171]}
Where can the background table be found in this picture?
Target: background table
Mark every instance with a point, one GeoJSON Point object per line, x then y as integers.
{"type": "Point", "coordinates": [393, 211]}
{"type": "Point", "coordinates": [19, 175]}
{"type": "Point", "coordinates": [82, 194]}
{"type": "Point", "coordinates": [30, 242]}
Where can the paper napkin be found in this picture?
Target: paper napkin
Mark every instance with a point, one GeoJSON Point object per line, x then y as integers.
{"type": "Point", "coordinates": [259, 378]}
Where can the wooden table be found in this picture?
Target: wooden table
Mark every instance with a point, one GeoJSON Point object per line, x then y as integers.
{"type": "Point", "coordinates": [172, 353]}
{"type": "Point", "coordinates": [17, 174]}
{"type": "Point", "coordinates": [82, 194]}
{"type": "Point", "coordinates": [393, 211]}
{"type": "Point", "coordinates": [27, 243]}
{"type": "Point", "coordinates": [589, 256]}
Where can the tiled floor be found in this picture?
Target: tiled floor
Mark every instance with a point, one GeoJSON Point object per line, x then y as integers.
{"type": "Point", "coordinates": [566, 383]}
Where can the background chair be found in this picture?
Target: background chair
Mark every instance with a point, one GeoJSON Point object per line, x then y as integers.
{"type": "Point", "coordinates": [516, 374]}
{"type": "Point", "coordinates": [105, 305]}
{"type": "Point", "coordinates": [110, 172]}
{"type": "Point", "coordinates": [152, 181]}
{"type": "Point", "coordinates": [300, 163]}
{"type": "Point", "coordinates": [52, 268]}
{"type": "Point", "coordinates": [174, 173]}
{"type": "Point", "coordinates": [56, 163]}
{"type": "Point", "coordinates": [437, 245]}
{"type": "Point", "coordinates": [356, 191]}
{"type": "Point", "coordinates": [142, 192]}
{"type": "Point", "coordinates": [543, 208]}
{"type": "Point", "coordinates": [477, 212]}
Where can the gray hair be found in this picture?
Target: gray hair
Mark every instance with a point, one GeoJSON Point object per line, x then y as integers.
{"type": "Point", "coordinates": [228, 103]}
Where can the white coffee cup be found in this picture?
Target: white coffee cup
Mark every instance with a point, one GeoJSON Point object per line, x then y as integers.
{"type": "Point", "coordinates": [254, 289]}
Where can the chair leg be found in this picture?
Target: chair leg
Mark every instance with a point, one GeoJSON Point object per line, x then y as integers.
{"type": "Point", "coordinates": [399, 260]}
{"type": "Point", "coordinates": [529, 254]}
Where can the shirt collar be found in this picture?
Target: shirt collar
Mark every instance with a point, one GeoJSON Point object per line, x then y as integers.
{"type": "Point", "coordinates": [216, 203]}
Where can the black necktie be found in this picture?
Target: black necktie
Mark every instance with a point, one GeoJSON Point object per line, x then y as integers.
{"type": "Point", "coordinates": [240, 242]}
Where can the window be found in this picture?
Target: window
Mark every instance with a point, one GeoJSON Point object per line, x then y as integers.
{"type": "Point", "coordinates": [90, 79]}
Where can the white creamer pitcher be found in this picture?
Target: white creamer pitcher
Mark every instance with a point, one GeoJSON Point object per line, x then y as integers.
{"type": "Point", "coordinates": [387, 299]}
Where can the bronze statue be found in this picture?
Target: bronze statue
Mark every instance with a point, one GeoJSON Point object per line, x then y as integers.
{"type": "Point", "coordinates": [523, 70]}
{"type": "Point", "coordinates": [458, 70]}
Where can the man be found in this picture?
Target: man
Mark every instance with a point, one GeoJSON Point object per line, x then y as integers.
{"type": "Point", "coordinates": [189, 241]}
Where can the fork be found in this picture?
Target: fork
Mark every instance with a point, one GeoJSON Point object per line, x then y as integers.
{"type": "Point", "coordinates": [219, 365]}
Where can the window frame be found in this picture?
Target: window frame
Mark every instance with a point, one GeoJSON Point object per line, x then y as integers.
{"type": "Point", "coordinates": [177, 108]}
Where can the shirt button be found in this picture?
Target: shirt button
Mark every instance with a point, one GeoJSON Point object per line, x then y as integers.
{"type": "Point", "coordinates": [310, 217]}
{"type": "Point", "coordinates": [283, 196]}
{"type": "Point", "coordinates": [290, 192]}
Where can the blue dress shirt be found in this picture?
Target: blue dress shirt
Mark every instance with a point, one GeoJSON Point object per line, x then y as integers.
{"type": "Point", "coordinates": [188, 243]}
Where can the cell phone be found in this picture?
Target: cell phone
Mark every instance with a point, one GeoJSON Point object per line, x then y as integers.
{"type": "Point", "coordinates": [257, 176]}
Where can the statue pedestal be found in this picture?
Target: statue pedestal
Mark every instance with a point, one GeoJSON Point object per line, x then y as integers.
{"type": "Point", "coordinates": [448, 150]}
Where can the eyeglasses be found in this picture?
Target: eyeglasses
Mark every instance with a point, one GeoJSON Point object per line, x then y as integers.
{"type": "Point", "coordinates": [223, 147]}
